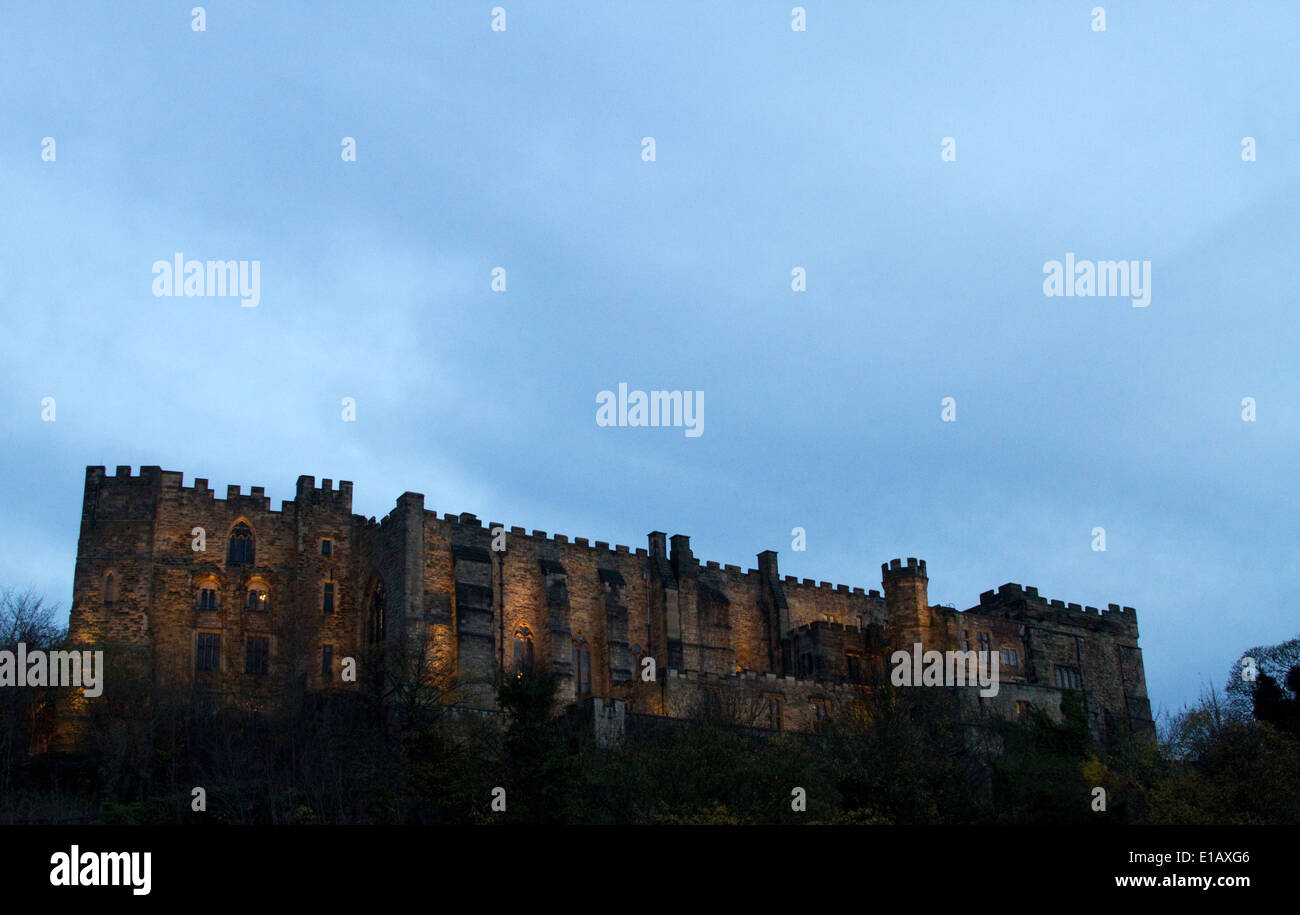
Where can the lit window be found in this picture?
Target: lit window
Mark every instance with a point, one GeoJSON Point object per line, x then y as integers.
{"type": "Point", "coordinates": [523, 658]}
{"type": "Point", "coordinates": [257, 602]}
{"type": "Point", "coordinates": [1022, 709]}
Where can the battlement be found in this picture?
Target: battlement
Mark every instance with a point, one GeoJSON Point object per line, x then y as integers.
{"type": "Point", "coordinates": [896, 569]}
{"type": "Point", "coordinates": [1012, 596]}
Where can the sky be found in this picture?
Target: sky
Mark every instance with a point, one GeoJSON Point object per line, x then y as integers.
{"type": "Point", "coordinates": [774, 149]}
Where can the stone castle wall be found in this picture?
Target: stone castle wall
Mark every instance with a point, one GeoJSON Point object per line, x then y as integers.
{"type": "Point", "coordinates": [744, 643]}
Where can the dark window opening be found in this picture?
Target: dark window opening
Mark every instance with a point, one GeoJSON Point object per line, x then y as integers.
{"type": "Point", "coordinates": [209, 651]}
{"type": "Point", "coordinates": [581, 668]}
{"type": "Point", "coordinates": [375, 620]}
{"type": "Point", "coordinates": [327, 662]}
{"type": "Point", "coordinates": [328, 605]}
{"type": "Point", "coordinates": [241, 546]}
{"type": "Point", "coordinates": [208, 599]}
{"type": "Point", "coordinates": [257, 655]}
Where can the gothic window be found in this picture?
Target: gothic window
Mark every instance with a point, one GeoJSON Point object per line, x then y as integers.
{"type": "Point", "coordinates": [375, 619]}
{"type": "Point", "coordinates": [208, 596]}
{"type": "Point", "coordinates": [257, 600]}
{"type": "Point", "coordinates": [257, 655]}
{"type": "Point", "coordinates": [241, 546]}
{"type": "Point", "coordinates": [581, 668]}
{"type": "Point", "coordinates": [110, 588]}
{"type": "Point", "coordinates": [523, 656]}
{"type": "Point", "coordinates": [208, 656]}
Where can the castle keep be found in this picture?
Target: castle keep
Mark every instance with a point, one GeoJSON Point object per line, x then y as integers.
{"type": "Point", "coordinates": [232, 594]}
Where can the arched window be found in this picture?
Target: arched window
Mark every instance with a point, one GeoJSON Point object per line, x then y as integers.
{"type": "Point", "coordinates": [110, 588]}
{"type": "Point", "coordinates": [581, 668]}
{"type": "Point", "coordinates": [258, 602]}
{"type": "Point", "coordinates": [375, 619]}
{"type": "Point", "coordinates": [523, 657]}
{"type": "Point", "coordinates": [241, 546]}
{"type": "Point", "coordinates": [207, 596]}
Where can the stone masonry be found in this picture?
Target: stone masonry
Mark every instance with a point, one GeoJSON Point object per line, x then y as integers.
{"type": "Point", "coordinates": [292, 592]}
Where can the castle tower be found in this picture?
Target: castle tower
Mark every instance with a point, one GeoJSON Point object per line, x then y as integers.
{"type": "Point", "coordinates": [907, 604]}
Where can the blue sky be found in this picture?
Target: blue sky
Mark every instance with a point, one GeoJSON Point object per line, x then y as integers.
{"type": "Point", "coordinates": [774, 149]}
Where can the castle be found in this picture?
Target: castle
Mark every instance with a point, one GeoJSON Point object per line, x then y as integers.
{"type": "Point", "coordinates": [222, 592]}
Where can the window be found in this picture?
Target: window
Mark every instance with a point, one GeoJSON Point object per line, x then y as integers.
{"type": "Point", "coordinates": [257, 654]}
{"type": "Point", "coordinates": [375, 621]}
{"type": "Point", "coordinates": [208, 598]}
{"type": "Point", "coordinates": [325, 547]}
{"type": "Point", "coordinates": [1009, 657]}
{"type": "Point", "coordinates": [774, 712]}
{"type": "Point", "coordinates": [328, 601]}
{"type": "Point", "coordinates": [110, 587]}
{"type": "Point", "coordinates": [327, 662]}
{"type": "Point", "coordinates": [257, 602]}
{"type": "Point", "coordinates": [208, 656]}
{"type": "Point", "coordinates": [830, 617]}
{"type": "Point", "coordinates": [1068, 678]}
{"type": "Point", "coordinates": [855, 667]}
{"type": "Point", "coordinates": [1022, 709]}
{"type": "Point", "coordinates": [581, 668]}
{"type": "Point", "coordinates": [984, 640]}
{"type": "Point", "coordinates": [965, 640]}
{"type": "Point", "coordinates": [241, 546]}
{"type": "Point", "coordinates": [523, 658]}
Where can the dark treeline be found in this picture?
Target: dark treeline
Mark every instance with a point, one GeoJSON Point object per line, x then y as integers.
{"type": "Point", "coordinates": [404, 757]}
